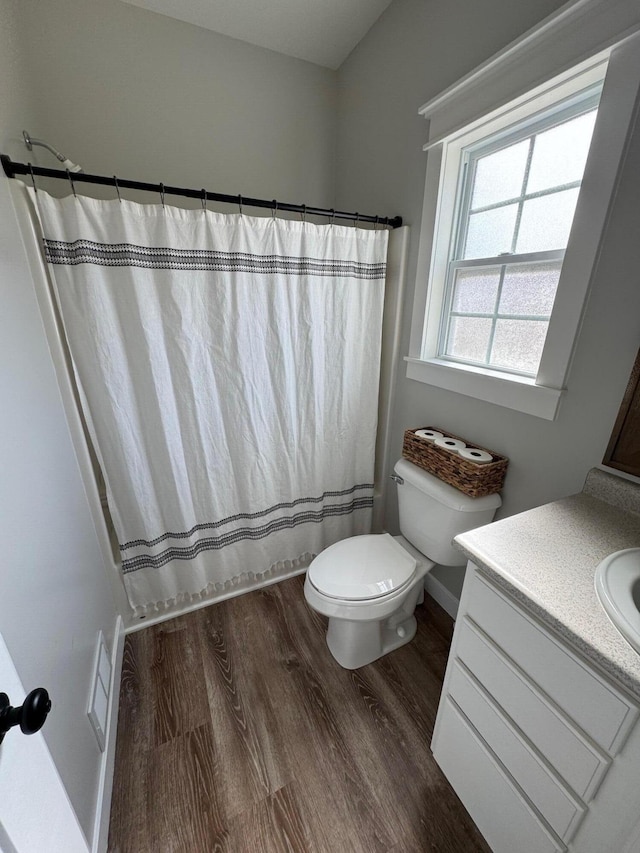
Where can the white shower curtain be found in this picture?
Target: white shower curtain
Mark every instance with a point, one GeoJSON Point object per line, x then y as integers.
{"type": "Point", "coordinates": [228, 368]}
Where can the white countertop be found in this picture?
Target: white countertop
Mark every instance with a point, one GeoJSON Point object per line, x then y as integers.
{"type": "Point", "coordinates": [546, 558]}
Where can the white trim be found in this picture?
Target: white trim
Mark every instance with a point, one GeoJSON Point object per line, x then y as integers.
{"type": "Point", "coordinates": [561, 86]}
{"type": "Point", "coordinates": [105, 782]}
{"type": "Point", "coordinates": [571, 35]}
{"type": "Point", "coordinates": [443, 596]}
{"type": "Point", "coordinates": [503, 389]}
{"type": "Point", "coordinates": [530, 37]}
{"type": "Point", "coordinates": [616, 118]}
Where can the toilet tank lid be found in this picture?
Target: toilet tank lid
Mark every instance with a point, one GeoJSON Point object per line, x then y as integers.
{"type": "Point", "coordinates": [443, 492]}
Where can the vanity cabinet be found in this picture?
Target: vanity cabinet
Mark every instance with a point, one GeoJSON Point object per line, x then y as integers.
{"type": "Point", "coordinates": [542, 749]}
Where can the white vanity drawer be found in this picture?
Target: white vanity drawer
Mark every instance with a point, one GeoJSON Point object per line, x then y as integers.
{"type": "Point", "coordinates": [579, 763]}
{"type": "Point", "coordinates": [499, 810]}
{"type": "Point", "coordinates": [598, 708]}
{"type": "Point", "coordinates": [559, 807]}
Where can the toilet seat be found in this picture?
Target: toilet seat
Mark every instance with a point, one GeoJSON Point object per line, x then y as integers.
{"type": "Point", "coordinates": [362, 568]}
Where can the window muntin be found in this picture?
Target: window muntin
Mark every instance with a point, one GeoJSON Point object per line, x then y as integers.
{"type": "Point", "coordinates": [516, 200]}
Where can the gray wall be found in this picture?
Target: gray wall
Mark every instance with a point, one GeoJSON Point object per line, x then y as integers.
{"type": "Point", "coordinates": [415, 50]}
{"type": "Point", "coordinates": [126, 91]}
{"type": "Point", "coordinates": [16, 96]}
{"type": "Point", "coordinates": [55, 594]}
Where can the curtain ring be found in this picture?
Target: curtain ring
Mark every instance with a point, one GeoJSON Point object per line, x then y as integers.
{"type": "Point", "coordinates": [115, 183]}
{"type": "Point", "coordinates": [274, 205]}
{"type": "Point", "coordinates": [333, 216]}
{"type": "Point", "coordinates": [304, 213]}
{"type": "Point", "coordinates": [33, 178]}
{"type": "Point", "coordinates": [240, 204]}
{"type": "Point", "coordinates": [162, 194]}
{"type": "Point", "coordinates": [357, 219]}
{"type": "Point", "coordinates": [375, 227]}
{"type": "Point", "coordinates": [204, 200]}
{"type": "Point", "coordinates": [72, 184]}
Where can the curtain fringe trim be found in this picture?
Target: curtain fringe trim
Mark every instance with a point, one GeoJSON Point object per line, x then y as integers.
{"type": "Point", "coordinates": [244, 582]}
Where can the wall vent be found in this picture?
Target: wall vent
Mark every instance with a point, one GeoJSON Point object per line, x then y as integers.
{"type": "Point", "coordinates": [100, 688]}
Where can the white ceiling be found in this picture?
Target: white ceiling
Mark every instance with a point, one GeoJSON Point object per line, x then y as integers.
{"type": "Point", "coordinates": [320, 31]}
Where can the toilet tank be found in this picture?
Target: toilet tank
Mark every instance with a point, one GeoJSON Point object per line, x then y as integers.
{"type": "Point", "coordinates": [433, 512]}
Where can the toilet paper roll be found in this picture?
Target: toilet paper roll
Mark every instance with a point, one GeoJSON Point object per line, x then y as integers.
{"type": "Point", "coordinates": [454, 445]}
{"type": "Point", "coordinates": [428, 434]}
{"type": "Point", "coordinates": [475, 455]}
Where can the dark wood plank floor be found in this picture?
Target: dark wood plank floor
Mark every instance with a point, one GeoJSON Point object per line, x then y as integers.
{"type": "Point", "coordinates": [239, 732]}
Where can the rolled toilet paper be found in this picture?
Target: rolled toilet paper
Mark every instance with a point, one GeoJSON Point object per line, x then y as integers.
{"type": "Point", "coordinates": [428, 434]}
{"type": "Point", "coordinates": [454, 445]}
{"type": "Point", "coordinates": [473, 454]}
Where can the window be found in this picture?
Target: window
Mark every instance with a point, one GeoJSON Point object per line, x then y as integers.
{"type": "Point", "coordinates": [517, 193]}
{"type": "Point", "coordinates": [500, 291]}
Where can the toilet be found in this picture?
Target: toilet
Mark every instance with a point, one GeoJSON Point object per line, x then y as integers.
{"type": "Point", "coordinates": [369, 585]}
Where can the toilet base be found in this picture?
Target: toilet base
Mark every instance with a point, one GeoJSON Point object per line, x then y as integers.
{"type": "Point", "coordinates": [355, 643]}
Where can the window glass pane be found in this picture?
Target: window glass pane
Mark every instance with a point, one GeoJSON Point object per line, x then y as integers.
{"type": "Point", "coordinates": [499, 176]}
{"type": "Point", "coordinates": [469, 338]}
{"type": "Point", "coordinates": [560, 154]}
{"type": "Point", "coordinates": [517, 344]}
{"type": "Point", "coordinates": [529, 289]}
{"type": "Point", "coordinates": [491, 232]}
{"type": "Point", "coordinates": [546, 222]}
{"type": "Point", "coordinates": [475, 291]}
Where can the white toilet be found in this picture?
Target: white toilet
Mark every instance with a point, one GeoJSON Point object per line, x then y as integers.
{"type": "Point", "coordinates": [369, 586]}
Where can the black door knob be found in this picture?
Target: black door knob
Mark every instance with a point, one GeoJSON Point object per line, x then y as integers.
{"type": "Point", "coordinates": [30, 716]}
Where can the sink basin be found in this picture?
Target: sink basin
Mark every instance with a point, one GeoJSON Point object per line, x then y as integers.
{"type": "Point", "coordinates": [618, 588]}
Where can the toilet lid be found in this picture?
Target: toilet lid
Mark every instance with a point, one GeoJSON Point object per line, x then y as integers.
{"type": "Point", "coordinates": [362, 567]}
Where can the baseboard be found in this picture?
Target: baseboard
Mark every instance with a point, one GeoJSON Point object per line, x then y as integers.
{"type": "Point", "coordinates": [442, 595]}
{"type": "Point", "coordinates": [105, 784]}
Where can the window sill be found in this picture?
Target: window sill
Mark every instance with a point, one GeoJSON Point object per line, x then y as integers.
{"type": "Point", "coordinates": [501, 389]}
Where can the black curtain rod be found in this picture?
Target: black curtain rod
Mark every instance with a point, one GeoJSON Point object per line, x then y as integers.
{"type": "Point", "coordinates": [11, 169]}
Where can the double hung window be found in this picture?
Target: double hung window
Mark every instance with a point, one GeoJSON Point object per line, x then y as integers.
{"type": "Point", "coordinates": [504, 267]}
{"type": "Point", "coordinates": [515, 206]}
{"type": "Point", "coordinates": [517, 193]}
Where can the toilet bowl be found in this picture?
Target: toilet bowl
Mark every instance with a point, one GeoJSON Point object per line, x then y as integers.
{"type": "Point", "coordinates": [369, 585]}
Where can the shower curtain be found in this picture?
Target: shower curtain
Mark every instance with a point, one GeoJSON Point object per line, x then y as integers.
{"type": "Point", "coordinates": [228, 370]}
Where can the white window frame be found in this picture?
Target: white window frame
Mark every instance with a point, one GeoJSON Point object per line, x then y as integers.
{"type": "Point", "coordinates": [585, 99]}
{"type": "Point", "coordinates": [539, 396]}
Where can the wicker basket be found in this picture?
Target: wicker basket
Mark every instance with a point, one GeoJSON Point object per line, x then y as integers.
{"type": "Point", "coordinates": [472, 478]}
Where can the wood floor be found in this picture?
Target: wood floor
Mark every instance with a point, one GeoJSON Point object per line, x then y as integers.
{"type": "Point", "coordinates": [239, 732]}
